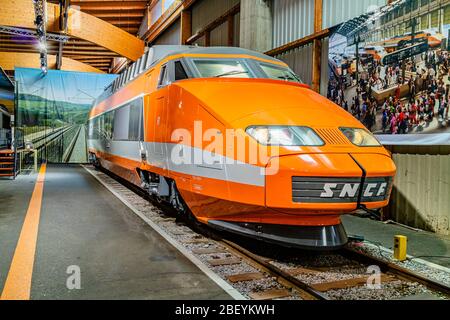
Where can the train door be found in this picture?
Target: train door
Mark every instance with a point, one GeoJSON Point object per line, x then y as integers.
{"type": "Point", "coordinates": [160, 117]}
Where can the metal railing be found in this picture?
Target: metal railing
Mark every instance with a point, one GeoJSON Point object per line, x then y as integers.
{"type": "Point", "coordinates": [5, 138]}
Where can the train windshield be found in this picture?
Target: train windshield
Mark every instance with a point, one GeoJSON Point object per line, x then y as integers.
{"type": "Point", "coordinates": [222, 69]}
{"type": "Point", "coordinates": [275, 72]}
{"type": "Point", "coordinates": [241, 68]}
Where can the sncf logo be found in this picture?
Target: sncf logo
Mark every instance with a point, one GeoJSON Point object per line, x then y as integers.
{"type": "Point", "coordinates": [350, 190]}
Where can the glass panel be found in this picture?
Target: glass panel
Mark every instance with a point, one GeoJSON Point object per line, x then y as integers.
{"type": "Point", "coordinates": [424, 22]}
{"type": "Point", "coordinates": [135, 125]}
{"type": "Point", "coordinates": [447, 14]}
{"type": "Point", "coordinates": [108, 125]}
{"type": "Point", "coordinates": [434, 19]}
{"type": "Point", "coordinates": [180, 73]}
{"type": "Point", "coordinates": [163, 78]}
{"type": "Point", "coordinates": [94, 129]}
{"type": "Point", "coordinates": [222, 68]}
{"type": "Point", "coordinates": [282, 73]}
{"type": "Point", "coordinates": [121, 123]}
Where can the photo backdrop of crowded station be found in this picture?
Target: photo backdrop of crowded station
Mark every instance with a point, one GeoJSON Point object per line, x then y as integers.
{"type": "Point", "coordinates": [390, 68]}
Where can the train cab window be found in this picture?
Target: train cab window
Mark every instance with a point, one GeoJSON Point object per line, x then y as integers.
{"type": "Point", "coordinates": [221, 68]}
{"type": "Point", "coordinates": [164, 76]}
{"type": "Point", "coordinates": [180, 73]}
{"type": "Point", "coordinates": [275, 72]}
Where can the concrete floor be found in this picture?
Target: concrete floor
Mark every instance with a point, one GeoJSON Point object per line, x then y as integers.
{"type": "Point", "coordinates": [82, 224]}
{"type": "Point", "coordinates": [425, 245]}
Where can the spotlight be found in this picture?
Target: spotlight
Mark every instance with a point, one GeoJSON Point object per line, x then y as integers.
{"type": "Point", "coordinates": [38, 20]}
{"type": "Point", "coordinates": [42, 46]}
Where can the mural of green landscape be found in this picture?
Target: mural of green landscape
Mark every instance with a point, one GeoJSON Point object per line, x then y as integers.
{"type": "Point", "coordinates": [52, 111]}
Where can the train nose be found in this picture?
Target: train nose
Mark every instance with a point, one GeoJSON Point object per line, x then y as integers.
{"type": "Point", "coordinates": [333, 183]}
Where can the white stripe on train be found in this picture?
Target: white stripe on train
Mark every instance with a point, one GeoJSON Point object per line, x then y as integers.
{"type": "Point", "coordinates": [157, 155]}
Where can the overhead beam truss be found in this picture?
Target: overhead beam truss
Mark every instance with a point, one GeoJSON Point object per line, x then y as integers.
{"type": "Point", "coordinates": [32, 34]}
{"type": "Point", "coordinates": [40, 12]}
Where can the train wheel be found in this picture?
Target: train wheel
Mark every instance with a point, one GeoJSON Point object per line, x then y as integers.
{"type": "Point", "coordinates": [93, 159]}
{"type": "Point", "coordinates": [176, 200]}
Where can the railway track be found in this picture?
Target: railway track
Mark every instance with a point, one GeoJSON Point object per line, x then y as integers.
{"type": "Point", "coordinates": [47, 138]}
{"type": "Point", "coordinates": [318, 287]}
{"type": "Point", "coordinates": [264, 272]}
{"type": "Point", "coordinates": [69, 150]}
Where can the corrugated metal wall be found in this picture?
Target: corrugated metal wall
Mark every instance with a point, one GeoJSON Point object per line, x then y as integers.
{"type": "Point", "coordinates": [171, 35]}
{"type": "Point", "coordinates": [292, 20]}
{"type": "Point", "coordinates": [300, 60]}
{"type": "Point", "coordinates": [338, 11]}
{"type": "Point", "coordinates": [205, 12]}
{"type": "Point", "coordinates": [421, 196]}
{"type": "Point", "coordinates": [237, 28]}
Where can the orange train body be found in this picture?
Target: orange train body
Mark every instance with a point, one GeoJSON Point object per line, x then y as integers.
{"type": "Point", "coordinates": [171, 106]}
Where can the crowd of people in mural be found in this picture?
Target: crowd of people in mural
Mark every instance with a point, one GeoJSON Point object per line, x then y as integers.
{"type": "Point", "coordinates": [419, 93]}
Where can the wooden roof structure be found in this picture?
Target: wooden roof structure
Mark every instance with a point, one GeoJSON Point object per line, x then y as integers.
{"type": "Point", "coordinates": [107, 29]}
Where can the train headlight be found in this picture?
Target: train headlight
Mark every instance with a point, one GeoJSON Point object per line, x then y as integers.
{"type": "Point", "coordinates": [285, 136]}
{"type": "Point", "coordinates": [360, 137]}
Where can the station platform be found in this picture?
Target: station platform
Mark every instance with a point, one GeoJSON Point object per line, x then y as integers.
{"type": "Point", "coordinates": [83, 229]}
{"type": "Point", "coordinates": [425, 245]}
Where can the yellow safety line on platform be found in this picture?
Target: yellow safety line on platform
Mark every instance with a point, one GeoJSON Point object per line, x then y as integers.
{"type": "Point", "coordinates": [18, 282]}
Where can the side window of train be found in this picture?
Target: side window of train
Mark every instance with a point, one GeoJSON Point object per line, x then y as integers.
{"type": "Point", "coordinates": [109, 125]}
{"type": "Point", "coordinates": [136, 127]}
{"type": "Point", "coordinates": [164, 76]}
{"type": "Point", "coordinates": [121, 123]}
{"type": "Point", "coordinates": [180, 72]}
{"type": "Point", "coordinates": [94, 129]}
{"type": "Point", "coordinates": [128, 122]}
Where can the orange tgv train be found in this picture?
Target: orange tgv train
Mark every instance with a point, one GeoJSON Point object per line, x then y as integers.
{"type": "Point", "coordinates": [233, 139]}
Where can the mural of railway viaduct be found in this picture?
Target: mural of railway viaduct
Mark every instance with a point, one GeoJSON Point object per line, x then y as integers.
{"type": "Point", "coordinates": [52, 111]}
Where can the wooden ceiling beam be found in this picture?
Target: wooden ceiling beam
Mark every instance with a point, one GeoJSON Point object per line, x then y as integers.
{"type": "Point", "coordinates": [51, 46]}
{"type": "Point", "coordinates": [11, 60]}
{"type": "Point", "coordinates": [94, 61]}
{"type": "Point", "coordinates": [86, 48]}
{"type": "Point", "coordinates": [125, 22]}
{"type": "Point", "coordinates": [81, 57]}
{"type": "Point", "coordinates": [26, 50]}
{"type": "Point", "coordinates": [299, 43]}
{"type": "Point", "coordinates": [117, 14]}
{"type": "Point", "coordinates": [74, 52]}
{"type": "Point", "coordinates": [108, 5]}
{"type": "Point", "coordinates": [80, 25]}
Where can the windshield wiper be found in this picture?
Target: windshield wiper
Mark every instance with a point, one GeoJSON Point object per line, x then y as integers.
{"type": "Point", "coordinates": [231, 73]}
{"type": "Point", "coordinates": [286, 78]}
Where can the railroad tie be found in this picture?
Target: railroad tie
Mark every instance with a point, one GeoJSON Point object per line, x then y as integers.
{"type": "Point", "coordinates": [245, 277]}
{"type": "Point", "coordinates": [224, 262]}
{"type": "Point", "coordinates": [208, 250]}
{"type": "Point", "coordinates": [348, 283]}
{"type": "Point", "coordinates": [270, 294]}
